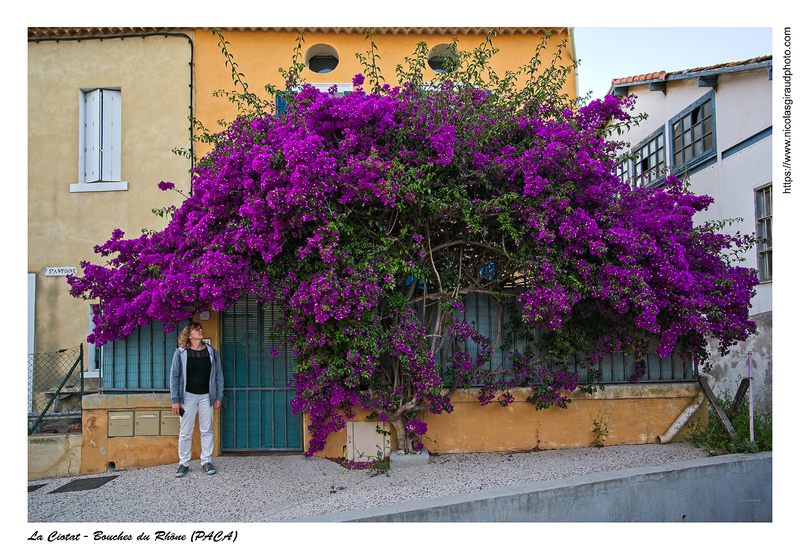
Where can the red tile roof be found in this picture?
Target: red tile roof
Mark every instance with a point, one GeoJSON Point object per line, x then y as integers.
{"type": "Point", "coordinates": [662, 75]}
{"type": "Point", "coordinates": [64, 32]}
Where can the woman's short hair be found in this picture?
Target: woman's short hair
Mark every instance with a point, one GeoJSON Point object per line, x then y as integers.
{"type": "Point", "coordinates": [183, 339]}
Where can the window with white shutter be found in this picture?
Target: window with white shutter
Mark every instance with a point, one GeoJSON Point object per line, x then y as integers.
{"type": "Point", "coordinates": [100, 141]}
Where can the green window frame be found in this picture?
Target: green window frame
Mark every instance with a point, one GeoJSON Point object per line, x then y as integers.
{"type": "Point", "coordinates": [649, 160]}
{"type": "Point", "coordinates": [623, 171]}
{"type": "Point", "coordinates": [764, 233]}
{"type": "Point", "coordinates": [693, 133]}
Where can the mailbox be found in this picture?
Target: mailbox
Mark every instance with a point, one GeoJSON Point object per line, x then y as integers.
{"type": "Point", "coordinates": [120, 424]}
{"type": "Point", "coordinates": [170, 423]}
{"type": "Point", "coordinates": [146, 422]}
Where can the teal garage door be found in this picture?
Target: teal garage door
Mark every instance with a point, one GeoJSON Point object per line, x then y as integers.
{"type": "Point", "coordinates": [257, 415]}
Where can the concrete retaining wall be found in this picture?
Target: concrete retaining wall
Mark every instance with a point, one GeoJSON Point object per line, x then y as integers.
{"type": "Point", "coordinates": [54, 456]}
{"type": "Point", "coordinates": [732, 488]}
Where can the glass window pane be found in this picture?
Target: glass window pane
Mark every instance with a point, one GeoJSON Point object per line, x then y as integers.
{"type": "Point", "coordinates": [768, 201]}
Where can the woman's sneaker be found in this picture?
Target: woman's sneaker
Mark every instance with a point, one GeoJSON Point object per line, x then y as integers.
{"type": "Point", "coordinates": [209, 468]}
{"type": "Point", "coordinates": [181, 470]}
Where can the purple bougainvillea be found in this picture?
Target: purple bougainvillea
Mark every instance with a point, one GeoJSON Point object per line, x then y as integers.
{"type": "Point", "coordinates": [369, 218]}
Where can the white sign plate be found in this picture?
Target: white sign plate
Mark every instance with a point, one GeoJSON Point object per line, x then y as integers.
{"type": "Point", "coordinates": [60, 271]}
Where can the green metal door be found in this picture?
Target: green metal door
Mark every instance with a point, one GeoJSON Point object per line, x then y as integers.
{"type": "Point", "coordinates": [257, 414]}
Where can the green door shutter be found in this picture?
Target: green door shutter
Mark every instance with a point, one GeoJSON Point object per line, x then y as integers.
{"type": "Point", "coordinates": [258, 414]}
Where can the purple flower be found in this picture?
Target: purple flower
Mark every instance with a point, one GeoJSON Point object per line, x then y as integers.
{"type": "Point", "coordinates": [328, 212]}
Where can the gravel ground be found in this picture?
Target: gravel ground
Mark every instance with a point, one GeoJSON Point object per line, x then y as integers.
{"type": "Point", "coordinates": [279, 488]}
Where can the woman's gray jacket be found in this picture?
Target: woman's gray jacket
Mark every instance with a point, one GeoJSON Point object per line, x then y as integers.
{"type": "Point", "coordinates": [177, 376]}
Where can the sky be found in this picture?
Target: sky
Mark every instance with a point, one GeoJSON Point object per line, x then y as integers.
{"type": "Point", "coordinates": [605, 53]}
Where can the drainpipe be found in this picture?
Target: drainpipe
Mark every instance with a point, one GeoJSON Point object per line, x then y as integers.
{"type": "Point", "coordinates": [687, 413]}
{"type": "Point", "coordinates": [574, 55]}
{"type": "Point", "coordinates": [750, 373]}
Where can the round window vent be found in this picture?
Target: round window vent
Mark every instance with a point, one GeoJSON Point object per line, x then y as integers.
{"type": "Point", "coordinates": [321, 58]}
{"type": "Point", "coordinates": [439, 55]}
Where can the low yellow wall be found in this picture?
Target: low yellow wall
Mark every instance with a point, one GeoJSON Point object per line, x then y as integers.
{"type": "Point", "coordinates": [632, 413]}
{"type": "Point", "coordinates": [98, 450]}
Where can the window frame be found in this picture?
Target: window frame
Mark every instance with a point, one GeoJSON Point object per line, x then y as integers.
{"type": "Point", "coordinates": [763, 217]}
{"type": "Point", "coordinates": [636, 178]}
{"type": "Point", "coordinates": [624, 171]}
{"type": "Point", "coordinates": [107, 133]}
{"type": "Point", "coordinates": [704, 155]}
{"type": "Point", "coordinates": [281, 103]}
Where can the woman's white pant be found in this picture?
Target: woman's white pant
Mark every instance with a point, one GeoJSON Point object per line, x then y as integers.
{"type": "Point", "coordinates": [196, 405]}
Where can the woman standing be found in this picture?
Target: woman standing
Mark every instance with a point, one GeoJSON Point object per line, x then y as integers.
{"type": "Point", "coordinates": [196, 385]}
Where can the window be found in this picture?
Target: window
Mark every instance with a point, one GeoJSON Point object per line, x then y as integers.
{"type": "Point", "coordinates": [282, 98]}
{"type": "Point", "coordinates": [322, 58]}
{"type": "Point", "coordinates": [623, 171]}
{"type": "Point", "coordinates": [443, 57]}
{"type": "Point", "coordinates": [692, 133]}
{"type": "Point", "coordinates": [649, 160]}
{"type": "Point", "coordinates": [764, 232]}
{"type": "Point", "coordinates": [100, 141]}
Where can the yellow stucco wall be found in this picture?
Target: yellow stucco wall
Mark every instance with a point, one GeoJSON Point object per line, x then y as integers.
{"type": "Point", "coordinates": [98, 450]}
{"type": "Point", "coordinates": [633, 414]}
{"type": "Point", "coordinates": [63, 227]}
{"type": "Point", "coordinates": [259, 55]}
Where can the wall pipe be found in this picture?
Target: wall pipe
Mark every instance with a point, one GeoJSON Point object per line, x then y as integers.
{"type": "Point", "coordinates": [687, 413]}
{"type": "Point", "coordinates": [750, 373]}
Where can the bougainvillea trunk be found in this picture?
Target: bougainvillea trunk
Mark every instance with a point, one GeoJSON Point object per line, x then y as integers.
{"type": "Point", "coordinates": [402, 438]}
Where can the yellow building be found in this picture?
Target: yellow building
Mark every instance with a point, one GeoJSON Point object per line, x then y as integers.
{"type": "Point", "coordinates": [160, 76]}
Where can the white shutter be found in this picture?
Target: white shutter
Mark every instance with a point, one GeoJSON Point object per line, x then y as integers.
{"type": "Point", "coordinates": [111, 135]}
{"type": "Point", "coordinates": [91, 136]}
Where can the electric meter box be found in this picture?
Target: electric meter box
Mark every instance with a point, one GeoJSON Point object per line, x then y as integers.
{"type": "Point", "coordinates": [120, 424]}
{"type": "Point", "coordinates": [367, 440]}
{"type": "Point", "coordinates": [170, 423]}
{"type": "Point", "coordinates": [146, 422]}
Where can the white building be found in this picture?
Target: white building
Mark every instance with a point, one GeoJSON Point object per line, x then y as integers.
{"type": "Point", "coordinates": [714, 125]}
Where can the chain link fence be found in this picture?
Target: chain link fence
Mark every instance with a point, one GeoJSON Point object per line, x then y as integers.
{"type": "Point", "coordinates": [55, 387]}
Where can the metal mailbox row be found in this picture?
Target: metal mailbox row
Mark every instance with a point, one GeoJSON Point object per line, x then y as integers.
{"type": "Point", "coordinates": [143, 422]}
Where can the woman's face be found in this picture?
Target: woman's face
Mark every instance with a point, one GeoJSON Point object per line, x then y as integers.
{"type": "Point", "coordinates": [196, 333]}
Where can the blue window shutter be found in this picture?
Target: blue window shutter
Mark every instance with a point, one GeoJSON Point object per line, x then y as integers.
{"type": "Point", "coordinates": [280, 103]}
{"type": "Point", "coordinates": [141, 361]}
